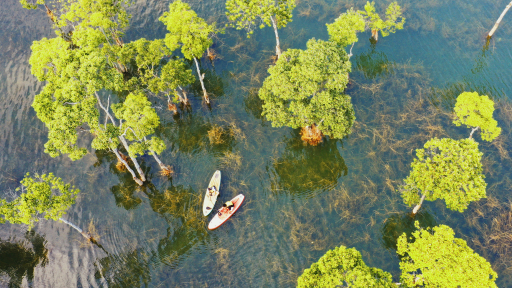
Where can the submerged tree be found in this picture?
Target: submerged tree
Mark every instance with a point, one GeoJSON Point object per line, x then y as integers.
{"type": "Point", "coordinates": [190, 32]}
{"type": "Point", "coordinates": [248, 14]}
{"type": "Point", "coordinates": [343, 266]}
{"type": "Point", "coordinates": [345, 28]}
{"type": "Point", "coordinates": [446, 169]}
{"type": "Point", "coordinates": [435, 258]}
{"type": "Point", "coordinates": [305, 89]}
{"type": "Point", "coordinates": [499, 20]}
{"type": "Point", "coordinates": [475, 111]}
{"type": "Point", "coordinates": [43, 196]}
{"type": "Point", "coordinates": [394, 19]}
{"type": "Point", "coordinates": [18, 259]}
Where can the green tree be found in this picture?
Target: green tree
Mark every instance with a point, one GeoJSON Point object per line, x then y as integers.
{"type": "Point", "coordinates": [475, 111]}
{"type": "Point", "coordinates": [247, 14]}
{"type": "Point", "coordinates": [343, 266]}
{"type": "Point", "coordinates": [446, 169]}
{"type": "Point", "coordinates": [435, 258]}
{"type": "Point", "coordinates": [42, 195]}
{"type": "Point", "coordinates": [394, 19]}
{"type": "Point", "coordinates": [140, 121]}
{"type": "Point", "coordinates": [305, 89]}
{"type": "Point", "coordinates": [190, 32]}
{"type": "Point", "coordinates": [344, 29]}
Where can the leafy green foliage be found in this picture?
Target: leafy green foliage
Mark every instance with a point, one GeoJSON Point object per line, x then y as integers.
{"type": "Point", "coordinates": [394, 18]}
{"type": "Point", "coordinates": [42, 195]}
{"type": "Point", "coordinates": [306, 87]}
{"type": "Point", "coordinates": [31, 5]}
{"type": "Point", "coordinates": [140, 120]}
{"type": "Point", "coordinates": [446, 169]}
{"type": "Point", "coordinates": [248, 14]}
{"type": "Point", "coordinates": [186, 30]}
{"type": "Point", "coordinates": [342, 266]}
{"type": "Point", "coordinates": [474, 110]}
{"type": "Point", "coordinates": [435, 258]}
{"type": "Point", "coordinates": [344, 29]}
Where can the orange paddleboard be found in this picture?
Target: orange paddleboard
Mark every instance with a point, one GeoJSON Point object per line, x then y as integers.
{"type": "Point", "coordinates": [220, 219]}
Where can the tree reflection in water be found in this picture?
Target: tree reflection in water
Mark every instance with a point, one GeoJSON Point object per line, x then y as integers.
{"type": "Point", "coordinates": [401, 223]}
{"type": "Point", "coordinates": [18, 259]}
{"type": "Point", "coordinates": [303, 170]}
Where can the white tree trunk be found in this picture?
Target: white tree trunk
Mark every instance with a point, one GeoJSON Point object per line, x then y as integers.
{"type": "Point", "coordinates": [473, 131]}
{"type": "Point", "coordinates": [86, 235]}
{"type": "Point", "coordinates": [134, 160]}
{"type": "Point", "coordinates": [127, 167]}
{"type": "Point", "coordinates": [375, 34]}
{"type": "Point", "coordinates": [417, 207]}
{"type": "Point", "coordinates": [499, 20]}
{"type": "Point", "coordinates": [201, 77]}
{"type": "Point", "coordinates": [278, 46]}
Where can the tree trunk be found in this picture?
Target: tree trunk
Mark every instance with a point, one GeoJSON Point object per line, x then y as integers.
{"type": "Point", "coordinates": [499, 20]}
{"type": "Point", "coordinates": [375, 34]}
{"type": "Point", "coordinates": [201, 77]}
{"type": "Point", "coordinates": [473, 131]}
{"type": "Point", "coordinates": [183, 99]}
{"type": "Point", "coordinates": [417, 207]}
{"type": "Point", "coordinates": [166, 169]}
{"type": "Point", "coordinates": [86, 235]}
{"type": "Point", "coordinates": [127, 167]}
{"type": "Point", "coordinates": [278, 46]}
{"type": "Point", "coordinates": [134, 160]}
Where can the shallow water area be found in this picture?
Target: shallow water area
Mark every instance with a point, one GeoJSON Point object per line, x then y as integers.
{"type": "Point", "coordinates": [300, 200]}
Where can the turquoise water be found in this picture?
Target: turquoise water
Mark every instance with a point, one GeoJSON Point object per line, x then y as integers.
{"type": "Point", "coordinates": [300, 201]}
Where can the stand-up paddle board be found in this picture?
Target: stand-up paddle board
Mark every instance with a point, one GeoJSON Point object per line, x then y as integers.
{"type": "Point", "coordinates": [220, 218]}
{"type": "Point", "coordinates": [211, 197]}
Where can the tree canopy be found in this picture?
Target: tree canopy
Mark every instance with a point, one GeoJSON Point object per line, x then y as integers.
{"type": "Point", "coordinates": [305, 88]}
{"type": "Point", "coordinates": [42, 195]}
{"type": "Point", "coordinates": [394, 19]}
{"type": "Point", "coordinates": [186, 30]}
{"type": "Point", "coordinates": [343, 266]}
{"type": "Point", "coordinates": [435, 258]}
{"type": "Point", "coordinates": [344, 29]}
{"type": "Point", "coordinates": [248, 14]}
{"type": "Point", "coordinates": [476, 111]}
{"type": "Point", "coordinates": [446, 169]}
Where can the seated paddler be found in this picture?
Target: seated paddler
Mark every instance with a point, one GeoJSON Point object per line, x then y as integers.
{"type": "Point", "coordinates": [226, 207]}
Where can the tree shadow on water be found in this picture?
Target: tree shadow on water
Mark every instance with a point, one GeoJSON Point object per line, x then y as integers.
{"type": "Point", "coordinates": [374, 63]}
{"type": "Point", "coordinates": [18, 259]}
{"type": "Point", "coordinates": [303, 170]}
{"type": "Point", "coordinates": [401, 223]}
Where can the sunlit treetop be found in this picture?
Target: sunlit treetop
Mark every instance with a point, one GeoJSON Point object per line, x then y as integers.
{"type": "Point", "coordinates": [138, 120]}
{"type": "Point", "coordinates": [305, 87]}
{"type": "Point", "coordinates": [31, 4]}
{"type": "Point", "coordinates": [435, 258]}
{"type": "Point", "coordinates": [343, 267]}
{"type": "Point", "coordinates": [344, 29]}
{"type": "Point", "coordinates": [186, 30]}
{"type": "Point", "coordinates": [476, 111]}
{"type": "Point", "coordinates": [394, 18]}
{"type": "Point", "coordinates": [446, 169]}
{"type": "Point", "coordinates": [249, 14]}
{"type": "Point", "coordinates": [41, 196]}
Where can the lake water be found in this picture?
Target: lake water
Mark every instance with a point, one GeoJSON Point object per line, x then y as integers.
{"type": "Point", "coordinates": [300, 200]}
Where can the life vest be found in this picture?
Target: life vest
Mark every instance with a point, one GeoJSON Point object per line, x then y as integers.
{"type": "Point", "coordinates": [229, 204]}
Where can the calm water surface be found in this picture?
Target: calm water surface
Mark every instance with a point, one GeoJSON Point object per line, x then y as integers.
{"type": "Point", "coordinates": [300, 201]}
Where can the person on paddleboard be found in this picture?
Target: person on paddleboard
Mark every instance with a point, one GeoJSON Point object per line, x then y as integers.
{"type": "Point", "coordinates": [213, 190]}
{"type": "Point", "coordinates": [226, 207]}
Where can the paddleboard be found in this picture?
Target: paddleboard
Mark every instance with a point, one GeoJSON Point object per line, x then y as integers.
{"type": "Point", "coordinates": [218, 220]}
{"type": "Point", "coordinates": [210, 199]}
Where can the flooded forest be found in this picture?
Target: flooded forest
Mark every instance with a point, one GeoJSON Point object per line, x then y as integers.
{"type": "Point", "coordinates": [331, 117]}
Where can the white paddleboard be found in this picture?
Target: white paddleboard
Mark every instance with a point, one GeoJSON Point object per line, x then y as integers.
{"type": "Point", "coordinates": [210, 199]}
